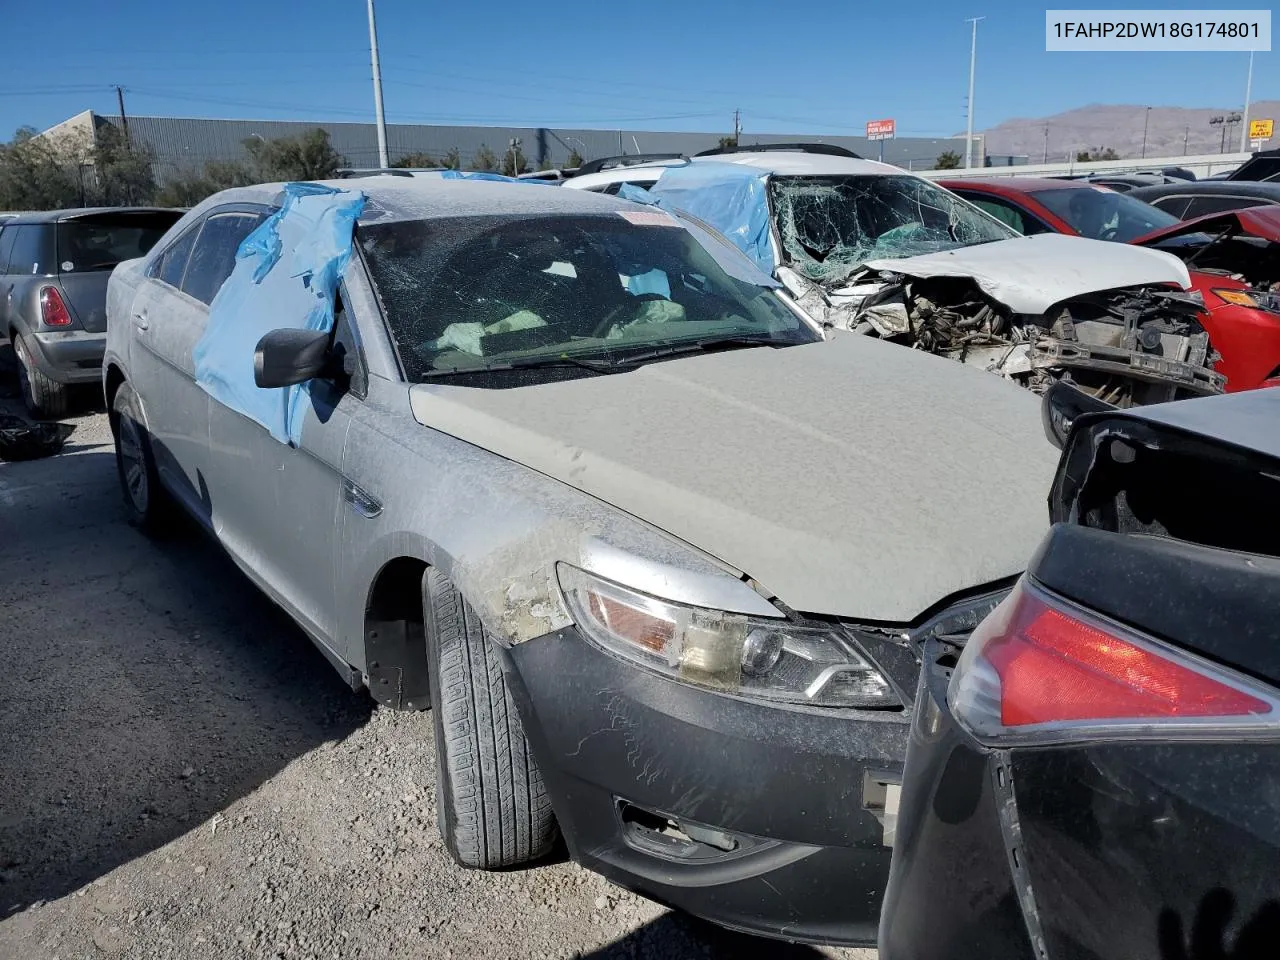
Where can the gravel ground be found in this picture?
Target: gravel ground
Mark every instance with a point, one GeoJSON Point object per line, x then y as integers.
{"type": "Point", "coordinates": [185, 776]}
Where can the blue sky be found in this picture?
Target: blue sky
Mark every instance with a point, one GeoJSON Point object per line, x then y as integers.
{"type": "Point", "coordinates": [817, 67]}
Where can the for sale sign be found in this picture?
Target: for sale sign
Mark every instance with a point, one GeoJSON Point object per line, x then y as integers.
{"type": "Point", "coordinates": [879, 129]}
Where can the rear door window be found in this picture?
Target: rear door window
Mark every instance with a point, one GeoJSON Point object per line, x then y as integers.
{"type": "Point", "coordinates": [1200, 206]}
{"type": "Point", "coordinates": [214, 255]}
{"type": "Point", "coordinates": [7, 236]}
{"type": "Point", "coordinates": [1177, 206]}
{"type": "Point", "coordinates": [86, 244]}
{"type": "Point", "coordinates": [32, 252]}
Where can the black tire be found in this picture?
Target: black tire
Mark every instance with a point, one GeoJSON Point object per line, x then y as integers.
{"type": "Point", "coordinates": [147, 503]}
{"type": "Point", "coordinates": [46, 399]}
{"type": "Point", "coordinates": [493, 809]}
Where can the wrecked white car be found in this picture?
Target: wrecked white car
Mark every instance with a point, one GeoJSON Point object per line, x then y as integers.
{"type": "Point", "coordinates": [871, 248]}
{"type": "Point", "coordinates": [576, 475]}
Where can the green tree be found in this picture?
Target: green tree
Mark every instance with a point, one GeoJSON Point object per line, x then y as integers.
{"type": "Point", "coordinates": [484, 160]}
{"type": "Point", "coordinates": [575, 160]}
{"type": "Point", "coordinates": [514, 163]}
{"type": "Point", "coordinates": [452, 159]}
{"type": "Point", "coordinates": [416, 159]}
{"type": "Point", "coordinates": [948, 160]}
{"type": "Point", "coordinates": [1101, 153]}
{"type": "Point", "coordinates": [728, 143]}
{"type": "Point", "coordinates": [123, 172]}
{"type": "Point", "coordinates": [35, 175]}
{"type": "Point", "coordinates": [190, 187]}
{"type": "Point", "coordinates": [308, 156]}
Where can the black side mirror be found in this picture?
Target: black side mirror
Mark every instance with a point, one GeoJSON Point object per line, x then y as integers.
{"type": "Point", "coordinates": [1063, 402]}
{"type": "Point", "coordinates": [286, 357]}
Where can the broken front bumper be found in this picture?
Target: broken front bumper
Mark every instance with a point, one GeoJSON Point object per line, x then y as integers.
{"type": "Point", "coordinates": [760, 818]}
{"type": "Point", "coordinates": [1048, 353]}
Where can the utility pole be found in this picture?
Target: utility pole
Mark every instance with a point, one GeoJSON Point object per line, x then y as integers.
{"type": "Point", "coordinates": [1146, 122]}
{"type": "Point", "coordinates": [1186, 135]}
{"type": "Point", "coordinates": [515, 155]}
{"type": "Point", "coordinates": [1046, 143]}
{"type": "Point", "coordinates": [124, 120]}
{"type": "Point", "coordinates": [1248, 92]}
{"type": "Point", "coordinates": [973, 63]}
{"type": "Point", "coordinates": [737, 126]}
{"type": "Point", "coordinates": [377, 92]}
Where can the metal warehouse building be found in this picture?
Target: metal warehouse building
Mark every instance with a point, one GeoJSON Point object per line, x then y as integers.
{"type": "Point", "coordinates": [186, 144]}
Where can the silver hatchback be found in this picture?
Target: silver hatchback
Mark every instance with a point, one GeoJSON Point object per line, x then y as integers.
{"type": "Point", "coordinates": [659, 554]}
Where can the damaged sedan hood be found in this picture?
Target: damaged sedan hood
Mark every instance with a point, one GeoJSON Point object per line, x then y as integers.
{"type": "Point", "coordinates": [1031, 274]}
{"type": "Point", "coordinates": [848, 477]}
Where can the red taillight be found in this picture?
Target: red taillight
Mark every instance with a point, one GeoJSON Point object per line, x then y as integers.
{"type": "Point", "coordinates": [1039, 666]}
{"type": "Point", "coordinates": [53, 311]}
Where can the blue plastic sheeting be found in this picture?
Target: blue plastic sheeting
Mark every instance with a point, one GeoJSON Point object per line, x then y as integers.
{"type": "Point", "coordinates": [728, 196]}
{"type": "Point", "coordinates": [286, 275]}
{"type": "Point", "coordinates": [722, 250]}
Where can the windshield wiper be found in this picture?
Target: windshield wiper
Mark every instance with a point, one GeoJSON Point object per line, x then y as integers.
{"type": "Point", "coordinates": [701, 346]}
{"type": "Point", "coordinates": [530, 363]}
{"type": "Point", "coordinates": [616, 365]}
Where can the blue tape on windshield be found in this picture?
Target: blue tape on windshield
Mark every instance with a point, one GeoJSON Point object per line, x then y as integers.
{"type": "Point", "coordinates": [286, 275]}
{"type": "Point", "coordinates": [728, 196]}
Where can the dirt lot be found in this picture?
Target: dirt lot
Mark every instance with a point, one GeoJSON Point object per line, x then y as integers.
{"type": "Point", "coordinates": [185, 776]}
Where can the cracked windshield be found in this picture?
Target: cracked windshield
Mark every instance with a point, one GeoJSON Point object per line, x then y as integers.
{"type": "Point", "coordinates": [467, 293]}
{"type": "Point", "coordinates": [832, 225]}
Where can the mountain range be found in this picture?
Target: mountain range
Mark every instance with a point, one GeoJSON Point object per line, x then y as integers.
{"type": "Point", "coordinates": [1170, 131]}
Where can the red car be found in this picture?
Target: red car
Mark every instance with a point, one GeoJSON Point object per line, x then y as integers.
{"type": "Point", "coordinates": [1234, 257]}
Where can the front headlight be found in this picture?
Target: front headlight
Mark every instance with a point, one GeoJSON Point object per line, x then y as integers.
{"type": "Point", "coordinates": [751, 656]}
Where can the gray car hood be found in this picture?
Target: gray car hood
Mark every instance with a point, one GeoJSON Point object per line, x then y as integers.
{"type": "Point", "coordinates": [851, 477]}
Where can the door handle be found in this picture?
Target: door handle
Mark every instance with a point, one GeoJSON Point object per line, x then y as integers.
{"type": "Point", "coordinates": [140, 320]}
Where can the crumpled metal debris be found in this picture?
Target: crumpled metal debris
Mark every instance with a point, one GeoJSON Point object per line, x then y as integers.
{"type": "Point", "coordinates": [1129, 346]}
{"type": "Point", "coordinates": [24, 440]}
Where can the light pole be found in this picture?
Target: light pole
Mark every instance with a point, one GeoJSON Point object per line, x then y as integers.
{"type": "Point", "coordinates": [973, 63]}
{"type": "Point", "coordinates": [377, 91]}
{"type": "Point", "coordinates": [1146, 122]}
{"type": "Point", "coordinates": [1248, 92]}
{"type": "Point", "coordinates": [1046, 144]}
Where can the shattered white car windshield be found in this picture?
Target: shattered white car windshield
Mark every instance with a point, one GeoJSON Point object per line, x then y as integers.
{"type": "Point", "coordinates": [472, 292]}
{"type": "Point", "coordinates": [831, 225]}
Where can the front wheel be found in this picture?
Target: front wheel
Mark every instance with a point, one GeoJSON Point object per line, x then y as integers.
{"type": "Point", "coordinates": [494, 811]}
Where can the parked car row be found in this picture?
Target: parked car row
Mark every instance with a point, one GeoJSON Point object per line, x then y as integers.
{"type": "Point", "coordinates": [761, 615]}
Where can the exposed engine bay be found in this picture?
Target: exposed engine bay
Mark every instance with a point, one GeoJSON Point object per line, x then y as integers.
{"type": "Point", "coordinates": [1128, 346]}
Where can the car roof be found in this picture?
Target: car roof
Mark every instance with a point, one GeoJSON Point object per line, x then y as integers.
{"type": "Point", "coordinates": [805, 164]}
{"type": "Point", "coordinates": [422, 198]}
{"type": "Point", "coordinates": [1238, 188]}
{"type": "Point", "coordinates": [74, 213]}
{"type": "Point", "coordinates": [630, 174]}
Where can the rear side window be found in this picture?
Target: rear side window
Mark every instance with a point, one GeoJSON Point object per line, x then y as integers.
{"type": "Point", "coordinates": [100, 242]}
{"type": "Point", "coordinates": [32, 253]}
{"type": "Point", "coordinates": [1200, 206]}
{"type": "Point", "coordinates": [214, 256]}
{"type": "Point", "coordinates": [171, 264]}
{"type": "Point", "coordinates": [6, 244]}
{"type": "Point", "coordinates": [1175, 206]}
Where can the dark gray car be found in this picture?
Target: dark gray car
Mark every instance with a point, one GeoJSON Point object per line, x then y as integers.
{"type": "Point", "coordinates": [1189, 200]}
{"type": "Point", "coordinates": [53, 291]}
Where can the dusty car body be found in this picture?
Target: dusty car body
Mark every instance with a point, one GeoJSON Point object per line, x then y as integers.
{"type": "Point", "coordinates": [636, 573]}
{"type": "Point", "coordinates": [1095, 771]}
{"type": "Point", "coordinates": [871, 248]}
{"type": "Point", "coordinates": [1233, 258]}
